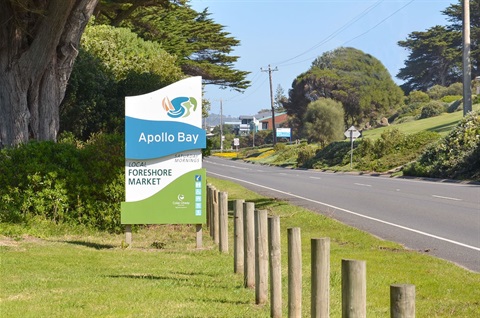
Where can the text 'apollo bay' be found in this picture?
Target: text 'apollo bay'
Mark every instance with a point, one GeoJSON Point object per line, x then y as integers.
{"type": "Point", "coordinates": [167, 137]}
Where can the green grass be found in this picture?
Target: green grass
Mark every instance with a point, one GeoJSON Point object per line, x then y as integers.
{"type": "Point", "coordinates": [442, 124]}
{"type": "Point", "coordinates": [88, 274]}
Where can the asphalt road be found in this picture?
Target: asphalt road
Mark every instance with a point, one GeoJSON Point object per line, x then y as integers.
{"type": "Point", "coordinates": [435, 217]}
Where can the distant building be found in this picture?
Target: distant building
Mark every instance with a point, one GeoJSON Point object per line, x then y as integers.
{"type": "Point", "coordinates": [266, 122]}
{"type": "Point", "coordinates": [248, 124]}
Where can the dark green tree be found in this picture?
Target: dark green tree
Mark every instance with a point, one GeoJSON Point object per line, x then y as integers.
{"type": "Point", "coordinates": [454, 14]}
{"type": "Point", "coordinates": [436, 54]}
{"type": "Point", "coordinates": [358, 80]}
{"type": "Point", "coordinates": [434, 59]}
{"type": "Point", "coordinates": [202, 46]}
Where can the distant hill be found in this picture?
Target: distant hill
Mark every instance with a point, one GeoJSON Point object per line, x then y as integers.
{"type": "Point", "coordinates": [214, 119]}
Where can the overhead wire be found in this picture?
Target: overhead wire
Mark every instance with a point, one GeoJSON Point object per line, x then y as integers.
{"type": "Point", "coordinates": [335, 33]}
{"type": "Point", "coordinates": [322, 42]}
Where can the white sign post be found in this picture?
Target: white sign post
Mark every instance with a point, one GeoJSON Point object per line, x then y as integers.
{"type": "Point", "coordinates": [353, 134]}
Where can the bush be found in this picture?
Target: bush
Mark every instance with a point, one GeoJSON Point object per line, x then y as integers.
{"type": "Point", "coordinates": [451, 98]}
{"type": "Point", "coordinates": [432, 109]}
{"type": "Point", "coordinates": [437, 91]}
{"type": "Point", "coordinates": [417, 97]}
{"type": "Point", "coordinates": [65, 182]}
{"type": "Point", "coordinates": [391, 150]}
{"type": "Point", "coordinates": [456, 157]}
{"type": "Point", "coordinates": [334, 154]}
{"type": "Point", "coordinates": [305, 155]}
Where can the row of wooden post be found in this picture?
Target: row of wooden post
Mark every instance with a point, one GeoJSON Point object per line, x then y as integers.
{"type": "Point", "coordinates": [257, 255]}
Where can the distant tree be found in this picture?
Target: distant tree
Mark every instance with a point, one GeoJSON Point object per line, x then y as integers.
{"type": "Point", "coordinates": [358, 80]}
{"type": "Point", "coordinates": [435, 58]}
{"type": "Point", "coordinates": [436, 54]}
{"type": "Point", "coordinates": [454, 14]}
{"type": "Point", "coordinates": [323, 121]}
{"type": "Point", "coordinates": [280, 99]}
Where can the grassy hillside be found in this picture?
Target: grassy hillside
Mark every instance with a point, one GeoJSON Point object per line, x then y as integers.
{"type": "Point", "coordinates": [441, 124]}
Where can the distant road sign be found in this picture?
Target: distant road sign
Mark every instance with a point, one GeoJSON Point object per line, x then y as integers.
{"type": "Point", "coordinates": [352, 132]}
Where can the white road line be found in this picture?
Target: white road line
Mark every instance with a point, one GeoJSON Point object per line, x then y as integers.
{"type": "Point", "coordinates": [363, 185]}
{"type": "Point", "coordinates": [317, 178]}
{"type": "Point", "coordinates": [446, 198]}
{"type": "Point", "coordinates": [354, 213]}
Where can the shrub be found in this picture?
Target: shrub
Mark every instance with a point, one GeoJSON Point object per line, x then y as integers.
{"type": "Point", "coordinates": [305, 155]}
{"type": "Point", "coordinates": [391, 150]}
{"type": "Point", "coordinates": [457, 156]}
{"type": "Point", "coordinates": [432, 109]}
{"type": "Point", "coordinates": [334, 154]}
{"type": "Point", "coordinates": [417, 97]}
{"type": "Point", "coordinates": [437, 91]}
{"type": "Point", "coordinates": [455, 89]}
{"type": "Point", "coordinates": [451, 98]}
{"type": "Point", "coordinates": [65, 182]}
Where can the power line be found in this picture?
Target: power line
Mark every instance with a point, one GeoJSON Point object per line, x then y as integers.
{"type": "Point", "coordinates": [336, 32]}
{"type": "Point", "coordinates": [358, 36]}
{"type": "Point", "coordinates": [385, 19]}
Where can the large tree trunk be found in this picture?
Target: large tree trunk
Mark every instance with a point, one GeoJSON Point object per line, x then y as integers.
{"type": "Point", "coordinates": [38, 45]}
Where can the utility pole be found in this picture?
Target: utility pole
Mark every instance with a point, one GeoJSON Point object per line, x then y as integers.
{"type": "Point", "coordinates": [221, 125]}
{"type": "Point", "coordinates": [467, 73]}
{"type": "Point", "coordinates": [274, 130]}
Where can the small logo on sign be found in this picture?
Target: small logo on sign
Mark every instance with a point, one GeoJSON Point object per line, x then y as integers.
{"type": "Point", "coordinates": [179, 107]}
{"type": "Point", "coordinates": [180, 197]}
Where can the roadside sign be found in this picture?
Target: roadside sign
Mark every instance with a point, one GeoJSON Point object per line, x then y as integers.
{"type": "Point", "coordinates": [352, 132]}
{"type": "Point", "coordinates": [164, 179]}
{"type": "Point", "coordinates": [284, 132]}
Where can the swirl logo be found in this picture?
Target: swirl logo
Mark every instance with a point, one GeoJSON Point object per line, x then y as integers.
{"type": "Point", "coordinates": [180, 106]}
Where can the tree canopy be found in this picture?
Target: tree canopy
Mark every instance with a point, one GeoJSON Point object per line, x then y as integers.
{"type": "Point", "coordinates": [201, 46]}
{"type": "Point", "coordinates": [358, 80]}
{"type": "Point", "coordinates": [323, 121]}
{"type": "Point", "coordinates": [436, 54]}
{"type": "Point", "coordinates": [39, 42]}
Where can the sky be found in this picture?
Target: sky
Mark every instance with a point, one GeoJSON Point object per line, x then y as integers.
{"type": "Point", "coordinates": [288, 35]}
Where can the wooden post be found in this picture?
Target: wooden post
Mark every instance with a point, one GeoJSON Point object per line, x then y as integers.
{"type": "Point", "coordinates": [223, 221]}
{"type": "Point", "coordinates": [199, 232]}
{"type": "Point", "coordinates": [294, 273]}
{"type": "Point", "coordinates": [275, 267]}
{"type": "Point", "coordinates": [354, 289]}
{"type": "Point", "coordinates": [320, 302]}
{"type": "Point", "coordinates": [402, 301]}
{"type": "Point", "coordinates": [210, 192]}
{"type": "Point", "coordinates": [261, 257]}
{"type": "Point", "coordinates": [238, 243]}
{"type": "Point", "coordinates": [249, 240]}
{"type": "Point", "coordinates": [128, 234]}
{"type": "Point", "coordinates": [215, 217]}
{"type": "Point", "coordinates": [209, 210]}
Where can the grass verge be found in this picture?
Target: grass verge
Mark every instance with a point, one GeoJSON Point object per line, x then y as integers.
{"type": "Point", "coordinates": [88, 274]}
